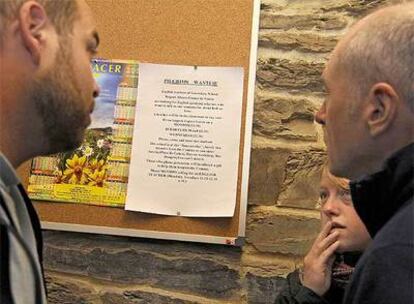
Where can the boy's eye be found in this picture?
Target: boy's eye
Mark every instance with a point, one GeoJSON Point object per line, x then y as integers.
{"type": "Point", "coordinates": [345, 196]}
{"type": "Point", "coordinates": [323, 196]}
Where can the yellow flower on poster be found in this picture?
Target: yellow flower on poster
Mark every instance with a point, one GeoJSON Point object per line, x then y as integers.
{"type": "Point", "coordinates": [97, 178]}
{"type": "Point", "coordinates": [76, 172]}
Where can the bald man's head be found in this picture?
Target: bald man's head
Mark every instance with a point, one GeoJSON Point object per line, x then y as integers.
{"type": "Point", "coordinates": [368, 113]}
{"type": "Point", "coordinates": [380, 48]}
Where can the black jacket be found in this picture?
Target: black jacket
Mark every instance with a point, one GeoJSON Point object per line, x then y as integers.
{"type": "Point", "coordinates": [296, 293]}
{"type": "Point", "coordinates": [384, 201]}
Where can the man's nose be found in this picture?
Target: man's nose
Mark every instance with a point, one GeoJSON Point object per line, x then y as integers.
{"type": "Point", "coordinates": [96, 89]}
{"type": "Point", "coordinates": [320, 116]}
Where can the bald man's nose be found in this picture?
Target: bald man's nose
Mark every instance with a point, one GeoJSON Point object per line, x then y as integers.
{"type": "Point", "coordinates": [320, 116]}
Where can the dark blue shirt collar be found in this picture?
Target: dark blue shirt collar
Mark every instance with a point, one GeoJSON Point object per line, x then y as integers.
{"type": "Point", "coordinates": [379, 196]}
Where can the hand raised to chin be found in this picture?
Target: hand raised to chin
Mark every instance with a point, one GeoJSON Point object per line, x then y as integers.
{"type": "Point", "coordinates": [317, 265]}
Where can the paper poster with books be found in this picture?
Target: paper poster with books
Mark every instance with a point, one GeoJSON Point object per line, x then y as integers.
{"type": "Point", "coordinates": [158, 133]}
{"type": "Point", "coordinates": [97, 172]}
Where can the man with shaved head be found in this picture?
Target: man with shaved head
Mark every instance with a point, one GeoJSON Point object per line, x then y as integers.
{"type": "Point", "coordinates": [368, 120]}
{"type": "Point", "coordinates": [46, 98]}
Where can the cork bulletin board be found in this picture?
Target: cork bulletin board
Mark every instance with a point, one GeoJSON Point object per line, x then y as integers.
{"type": "Point", "coordinates": [180, 32]}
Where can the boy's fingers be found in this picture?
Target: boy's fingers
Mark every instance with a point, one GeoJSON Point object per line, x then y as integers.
{"type": "Point", "coordinates": [320, 245]}
{"type": "Point", "coordinates": [325, 231]}
{"type": "Point", "coordinates": [329, 240]}
{"type": "Point", "coordinates": [329, 252]}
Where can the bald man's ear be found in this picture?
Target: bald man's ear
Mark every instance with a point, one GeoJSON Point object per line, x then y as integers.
{"type": "Point", "coordinates": [382, 108]}
{"type": "Point", "coordinates": [33, 22]}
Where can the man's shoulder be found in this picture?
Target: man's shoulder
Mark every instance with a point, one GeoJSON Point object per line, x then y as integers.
{"type": "Point", "coordinates": [398, 230]}
{"type": "Point", "coordinates": [384, 274]}
{"type": "Point", "coordinates": [394, 242]}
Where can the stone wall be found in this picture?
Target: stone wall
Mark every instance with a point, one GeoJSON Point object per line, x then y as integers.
{"type": "Point", "coordinates": [287, 152]}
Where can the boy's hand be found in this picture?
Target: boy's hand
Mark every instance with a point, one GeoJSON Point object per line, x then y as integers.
{"type": "Point", "coordinates": [317, 265]}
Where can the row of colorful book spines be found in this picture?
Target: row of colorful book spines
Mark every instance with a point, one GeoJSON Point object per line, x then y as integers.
{"type": "Point", "coordinates": [47, 165]}
{"type": "Point", "coordinates": [127, 94]}
{"type": "Point", "coordinates": [51, 175]}
{"type": "Point", "coordinates": [114, 183]}
{"type": "Point", "coordinates": [123, 131]}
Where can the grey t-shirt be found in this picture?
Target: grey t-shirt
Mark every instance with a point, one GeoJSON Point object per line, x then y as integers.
{"type": "Point", "coordinates": [23, 274]}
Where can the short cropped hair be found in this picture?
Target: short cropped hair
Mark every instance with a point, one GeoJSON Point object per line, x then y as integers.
{"type": "Point", "coordinates": [339, 182]}
{"type": "Point", "coordinates": [61, 13]}
{"type": "Point", "coordinates": [382, 50]}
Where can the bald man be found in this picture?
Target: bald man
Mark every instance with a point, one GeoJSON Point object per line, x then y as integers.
{"type": "Point", "coordinates": [46, 97]}
{"type": "Point", "coordinates": [368, 120]}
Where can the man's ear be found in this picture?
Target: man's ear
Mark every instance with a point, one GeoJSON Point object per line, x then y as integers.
{"type": "Point", "coordinates": [382, 108]}
{"type": "Point", "coordinates": [33, 21]}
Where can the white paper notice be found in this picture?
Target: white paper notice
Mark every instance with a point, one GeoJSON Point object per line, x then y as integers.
{"type": "Point", "coordinates": [186, 141]}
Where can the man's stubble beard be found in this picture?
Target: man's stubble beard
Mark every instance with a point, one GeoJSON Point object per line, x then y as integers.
{"type": "Point", "coordinates": [59, 105]}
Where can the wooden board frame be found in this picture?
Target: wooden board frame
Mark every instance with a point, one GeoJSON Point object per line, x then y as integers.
{"type": "Point", "coordinates": [183, 32]}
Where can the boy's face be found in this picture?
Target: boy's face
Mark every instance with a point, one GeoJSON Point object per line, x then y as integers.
{"type": "Point", "coordinates": [337, 207]}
